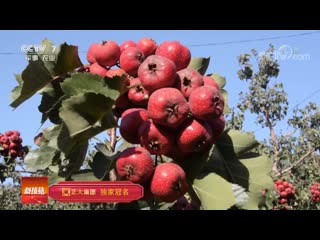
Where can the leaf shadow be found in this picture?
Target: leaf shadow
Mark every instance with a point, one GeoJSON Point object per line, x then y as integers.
{"type": "Point", "coordinates": [225, 162]}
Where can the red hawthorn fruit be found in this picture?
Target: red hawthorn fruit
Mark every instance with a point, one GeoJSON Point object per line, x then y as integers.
{"type": "Point", "coordinates": [176, 52]}
{"type": "Point", "coordinates": [127, 44]}
{"type": "Point", "coordinates": [194, 136]}
{"type": "Point", "coordinates": [131, 120]}
{"type": "Point", "coordinates": [107, 53]}
{"type": "Point", "coordinates": [147, 46]}
{"type": "Point", "coordinates": [206, 102]}
{"type": "Point", "coordinates": [157, 72]}
{"type": "Point", "coordinates": [169, 182]}
{"type": "Point", "coordinates": [135, 164]}
{"type": "Point", "coordinates": [210, 81]}
{"type": "Point", "coordinates": [130, 60]}
{"type": "Point", "coordinates": [156, 139]}
{"type": "Point", "coordinates": [168, 107]}
{"type": "Point", "coordinates": [137, 94]}
{"type": "Point", "coordinates": [188, 80]}
{"type": "Point", "coordinates": [91, 53]}
{"type": "Point", "coordinates": [95, 68]}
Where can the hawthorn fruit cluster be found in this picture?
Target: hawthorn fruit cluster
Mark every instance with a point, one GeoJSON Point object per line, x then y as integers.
{"type": "Point", "coordinates": [315, 192]}
{"type": "Point", "coordinates": [285, 189]}
{"type": "Point", "coordinates": [169, 109]}
{"type": "Point", "coordinates": [11, 144]}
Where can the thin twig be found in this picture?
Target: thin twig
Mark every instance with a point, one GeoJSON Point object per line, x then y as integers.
{"type": "Point", "coordinates": [113, 139]}
{"type": "Point", "coordinates": [297, 162]}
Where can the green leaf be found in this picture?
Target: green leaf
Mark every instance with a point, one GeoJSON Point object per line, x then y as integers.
{"type": "Point", "coordinates": [17, 90]}
{"type": "Point", "coordinates": [54, 168]}
{"type": "Point", "coordinates": [194, 163]}
{"type": "Point", "coordinates": [240, 195]}
{"type": "Point", "coordinates": [221, 81]}
{"type": "Point", "coordinates": [54, 178]}
{"type": "Point", "coordinates": [100, 165]}
{"type": "Point", "coordinates": [41, 158]}
{"type": "Point", "coordinates": [34, 77]}
{"type": "Point", "coordinates": [250, 172]}
{"type": "Point", "coordinates": [227, 165]}
{"type": "Point", "coordinates": [49, 49]}
{"type": "Point", "coordinates": [259, 168]}
{"type": "Point", "coordinates": [86, 113]}
{"type": "Point", "coordinates": [87, 82]}
{"type": "Point", "coordinates": [124, 145]}
{"type": "Point", "coordinates": [67, 59]}
{"type": "Point", "coordinates": [214, 192]}
{"type": "Point", "coordinates": [226, 109]}
{"type": "Point", "coordinates": [59, 59]}
{"type": "Point", "coordinates": [236, 142]}
{"type": "Point", "coordinates": [200, 64]}
{"type": "Point", "coordinates": [49, 107]}
{"type": "Point", "coordinates": [82, 175]}
{"type": "Point", "coordinates": [105, 149]}
{"type": "Point", "coordinates": [103, 161]}
{"type": "Point", "coordinates": [50, 103]}
{"type": "Point", "coordinates": [38, 74]}
{"type": "Point", "coordinates": [76, 158]}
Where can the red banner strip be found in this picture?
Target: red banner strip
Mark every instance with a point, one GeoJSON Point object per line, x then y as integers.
{"type": "Point", "coordinates": [95, 191]}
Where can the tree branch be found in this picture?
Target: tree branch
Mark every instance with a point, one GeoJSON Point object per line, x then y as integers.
{"type": "Point", "coordinates": [297, 162]}
{"type": "Point", "coordinates": [274, 140]}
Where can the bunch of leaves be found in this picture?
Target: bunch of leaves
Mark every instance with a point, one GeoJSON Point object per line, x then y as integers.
{"type": "Point", "coordinates": [79, 105]}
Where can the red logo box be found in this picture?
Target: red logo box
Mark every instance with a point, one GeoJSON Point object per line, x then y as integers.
{"type": "Point", "coordinates": [34, 190]}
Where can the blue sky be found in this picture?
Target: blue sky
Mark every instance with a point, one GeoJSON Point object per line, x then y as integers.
{"type": "Point", "coordinates": [300, 74]}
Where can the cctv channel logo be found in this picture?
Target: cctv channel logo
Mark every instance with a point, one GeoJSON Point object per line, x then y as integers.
{"type": "Point", "coordinates": [36, 48]}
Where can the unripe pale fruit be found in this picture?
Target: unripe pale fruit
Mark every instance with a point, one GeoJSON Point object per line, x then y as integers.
{"type": "Point", "coordinates": [168, 182]}
{"type": "Point", "coordinates": [206, 102]}
{"type": "Point", "coordinates": [157, 72]}
{"type": "Point", "coordinates": [168, 107]}
{"type": "Point", "coordinates": [176, 52]}
{"type": "Point", "coordinates": [135, 164]}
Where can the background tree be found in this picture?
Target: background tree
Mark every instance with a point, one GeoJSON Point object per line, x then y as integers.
{"type": "Point", "coordinates": [294, 154]}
